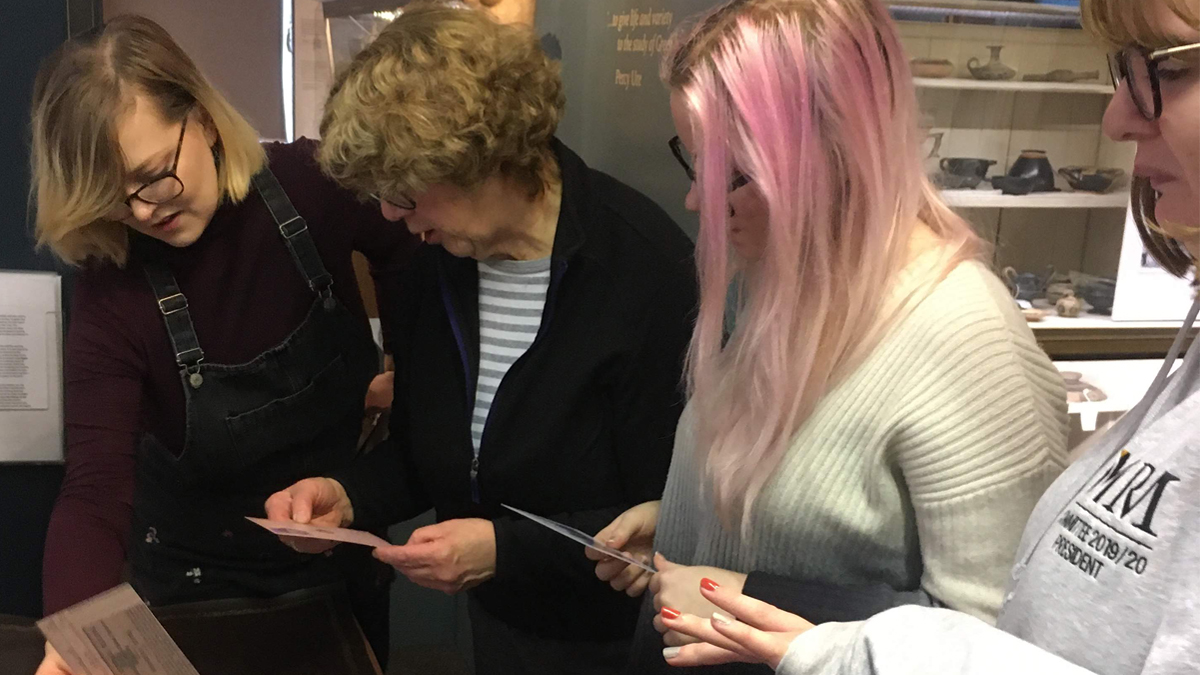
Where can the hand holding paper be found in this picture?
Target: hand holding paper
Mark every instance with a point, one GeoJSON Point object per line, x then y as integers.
{"type": "Point", "coordinates": [53, 664]}
{"type": "Point", "coordinates": [450, 557]}
{"type": "Point", "coordinates": [583, 538]}
{"type": "Point", "coordinates": [633, 533]}
{"type": "Point", "coordinates": [317, 501]}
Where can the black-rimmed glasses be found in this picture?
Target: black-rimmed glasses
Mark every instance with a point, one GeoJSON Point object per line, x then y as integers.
{"type": "Point", "coordinates": [402, 202]}
{"type": "Point", "coordinates": [681, 154]}
{"type": "Point", "coordinates": [168, 186]}
{"type": "Point", "coordinates": [1139, 69]}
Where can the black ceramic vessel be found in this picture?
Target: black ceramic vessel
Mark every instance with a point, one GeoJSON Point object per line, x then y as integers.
{"type": "Point", "coordinates": [966, 166]}
{"type": "Point", "coordinates": [1013, 185]}
{"type": "Point", "coordinates": [1034, 165]}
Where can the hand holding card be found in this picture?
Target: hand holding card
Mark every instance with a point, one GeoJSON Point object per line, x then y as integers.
{"type": "Point", "coordinates": [583, 538]}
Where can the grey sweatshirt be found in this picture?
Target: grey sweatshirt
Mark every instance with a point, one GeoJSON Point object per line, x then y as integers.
{"type": "Point", "coordinates": [1107, 578]}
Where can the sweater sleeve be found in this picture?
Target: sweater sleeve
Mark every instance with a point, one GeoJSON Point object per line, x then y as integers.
{"type": "Point", "coordinates": [89, 527]}
{"type": "Point", "coordinates": [914, 641]}
{"type": "Point", "coordinates": [983, 434]}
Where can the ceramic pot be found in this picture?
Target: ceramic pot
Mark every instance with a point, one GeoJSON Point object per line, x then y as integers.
{"type": "Point", "coordinates": [932, 160]}
{"type": "Point", "coordinates": [1034, 164]}
{"type": "Point", "coordinates": [993, 69]}
{"type": "Point", "coordinates": [1063, 75]}
{"type": "Point", "coordinates": [933, 68]}
{"type": "Point", "coordinates": [1091, 179]}
{"type": "Point", "coordinates": [966, 166]}
{"type": "Point", "coordinates": [1027, 285]}
{"type": "Point", "coordinates": [1099, 294]}
{"type": "Point", "coordinates": [1010, 185]}
{"type": "Point", "coordinates": [951, 181]}
{"type": "Point", "coordinates": [937, 137]}
{"type": "Point", "coordinates": [1057, 290]}
{"type": "Point", "coordinates": [1068, 305]}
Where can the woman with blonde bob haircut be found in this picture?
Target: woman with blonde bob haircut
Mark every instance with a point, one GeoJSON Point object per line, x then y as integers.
{"type": "Point", "coordinates": [1104, 580]}
{"type": "Point", "coordinates": [545, 327]}
{"type": "Point", "coordinates": [218, 347]}
{"type": "Point", "coordinates": [78, 164]}
{"type": "Point", "coordinates": [880, 421]}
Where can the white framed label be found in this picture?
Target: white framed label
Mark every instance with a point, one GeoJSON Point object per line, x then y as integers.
{"type": "Point", "coordinates": [31, 394]}
{"type": "Point", "coordinates": [1145, 291]}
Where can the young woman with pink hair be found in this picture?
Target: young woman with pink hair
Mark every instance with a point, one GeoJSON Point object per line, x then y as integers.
{"type": "Point", "coordinates": [1104, 581]}
{"type": "Point", "coordinates": [878, 424]}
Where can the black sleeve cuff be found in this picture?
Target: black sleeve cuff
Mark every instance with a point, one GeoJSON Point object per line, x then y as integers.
{"type": "Point", "coordinates": [821, 603]}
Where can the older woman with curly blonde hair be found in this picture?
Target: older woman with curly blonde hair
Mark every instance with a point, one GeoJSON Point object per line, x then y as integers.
{"type": "Point", "coordinates": [544, 334]}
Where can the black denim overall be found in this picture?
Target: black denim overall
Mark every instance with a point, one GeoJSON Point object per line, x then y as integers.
{"type": "Point", "coordinates": [293, 412]}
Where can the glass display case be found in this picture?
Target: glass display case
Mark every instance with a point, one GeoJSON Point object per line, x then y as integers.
{"type": "Point", "coordinates": [1013, 95]}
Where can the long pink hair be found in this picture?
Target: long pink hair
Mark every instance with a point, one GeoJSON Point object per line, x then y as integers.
{"type": "Point", "coordinates": [813, 101]}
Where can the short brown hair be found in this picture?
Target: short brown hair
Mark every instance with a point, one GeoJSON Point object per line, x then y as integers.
{"type": "Point", "coordinates": [443, 95]}
{"type": "Point", "coordinates": [78, 168]}
{"type": "Point", "coordinates": [1126, 23]}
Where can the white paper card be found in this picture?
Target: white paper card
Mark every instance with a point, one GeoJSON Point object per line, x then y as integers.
{"type": "Point", "coordinates": [287, 528]}
{"type": "Point", "coordinates": [583, 538]}
{"type": "Point", "coordinates": [114, 633]}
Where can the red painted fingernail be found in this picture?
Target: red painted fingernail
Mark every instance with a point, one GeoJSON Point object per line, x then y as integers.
{"type": "Point", "coordinates": [669, 613]}
{"type": "Point", "coordinates": [709, 585]}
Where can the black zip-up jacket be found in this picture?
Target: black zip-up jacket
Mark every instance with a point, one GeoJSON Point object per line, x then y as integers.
{"type": "Point", "coordinates": [582, 426]}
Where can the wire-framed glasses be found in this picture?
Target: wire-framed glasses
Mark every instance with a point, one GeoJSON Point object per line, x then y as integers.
{"type": "Point", "coordinates": [682, 156]}
{"type": "Point", "coordinates": [167, 186]}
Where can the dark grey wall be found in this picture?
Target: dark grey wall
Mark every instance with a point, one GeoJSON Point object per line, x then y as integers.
{"type": "Point", "coordinates": [621, 126]}
{"type": "Point", "coordinates": [31, 29]}
{"type": "Point", "coordinates": [235, 43]}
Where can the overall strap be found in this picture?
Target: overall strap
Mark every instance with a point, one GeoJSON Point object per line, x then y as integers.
{"type": "Point", "coordinates": [174, 308]}
{"type": "Point", "coordinates": [295, 232]}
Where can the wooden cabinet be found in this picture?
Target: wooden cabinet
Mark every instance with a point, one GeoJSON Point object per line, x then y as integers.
{"type": "Point", "coordinates": [1069, 230]}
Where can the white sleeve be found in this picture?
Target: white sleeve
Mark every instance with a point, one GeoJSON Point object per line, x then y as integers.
{"type": "Point", "coordinates": [984, 436]}
{"type": "Point", "coordinates": [918, 641]}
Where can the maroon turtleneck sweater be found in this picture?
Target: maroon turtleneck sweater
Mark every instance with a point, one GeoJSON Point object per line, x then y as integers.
{"type": "Point", "coordinates": [245, 295]}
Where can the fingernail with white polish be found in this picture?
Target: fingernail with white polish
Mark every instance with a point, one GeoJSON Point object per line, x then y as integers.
{"type": "Point", "coordinates": [723, 619]}
{"type": "Point", "coordinates": [670, 652]}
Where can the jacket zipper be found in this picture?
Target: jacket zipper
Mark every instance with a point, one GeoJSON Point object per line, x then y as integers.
{"type": "Point", "coordinates": [547, 312]}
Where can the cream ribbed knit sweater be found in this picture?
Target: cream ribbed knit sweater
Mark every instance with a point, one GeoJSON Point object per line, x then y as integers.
{"type": "Point", "coordinates": [918, 471]}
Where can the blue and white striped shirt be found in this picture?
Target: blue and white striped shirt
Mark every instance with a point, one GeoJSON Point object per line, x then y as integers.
{"type": "Point", "coordinates": [512, 295]}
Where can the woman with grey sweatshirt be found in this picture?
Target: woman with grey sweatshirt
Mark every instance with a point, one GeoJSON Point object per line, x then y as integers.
{"type": "Point", "coordinates": [1106, 576]}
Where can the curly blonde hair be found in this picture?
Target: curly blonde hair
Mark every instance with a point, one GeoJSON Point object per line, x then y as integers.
{"type": "Point", "coordinates": [443, 96]}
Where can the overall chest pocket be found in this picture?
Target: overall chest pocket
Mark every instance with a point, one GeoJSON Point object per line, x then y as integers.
{"type": "Point", "coordinates": [300, 422]}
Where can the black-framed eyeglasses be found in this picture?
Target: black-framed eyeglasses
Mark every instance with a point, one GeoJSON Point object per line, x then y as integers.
{"type": "Point", "coordinates": [681, 154]}
{"type": "Point", "coordinates": [1139, 69]}
{"type": "Point", "coordinates": [402, 202]}
{"type": "Point", "coordinates": [168, 186]}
